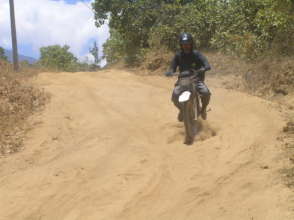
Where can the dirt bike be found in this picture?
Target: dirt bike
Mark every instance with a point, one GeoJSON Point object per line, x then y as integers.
{"type": "Point", "coordinates": [189, 102]}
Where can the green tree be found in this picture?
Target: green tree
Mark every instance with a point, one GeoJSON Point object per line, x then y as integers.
{"type": "Point", "coordinates": [2, 54]}
{"type": "Point", "coordinates": [248, 28]}
{"type": "Point", "coordinates": [131, 20]}
{"type": "Point", "coordinates": [114, 47]}
{"type": "Point", "coordinates": [57, 57]}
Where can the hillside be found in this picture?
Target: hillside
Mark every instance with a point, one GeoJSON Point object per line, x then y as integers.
{"type": "Point", "coordinates": [21, 57]}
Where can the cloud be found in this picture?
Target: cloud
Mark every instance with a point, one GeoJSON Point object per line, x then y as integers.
{"type": "Point", "coordinates": [45, 22]}
{"type": "Point", "coordinates": [89, 58]}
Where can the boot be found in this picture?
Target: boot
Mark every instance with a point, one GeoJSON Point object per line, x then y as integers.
{"type": "Point", "coordinates": [180, 116]}
{"type": "Point", "coordinates": [203, 113]}
{"type": "Point", "coordinates": [204, 101]}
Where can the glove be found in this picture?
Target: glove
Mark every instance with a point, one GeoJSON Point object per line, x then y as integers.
{"type": "Point", "coordinates": [168, 74]}
{"type": "Point", "coordinates": [201, 70]}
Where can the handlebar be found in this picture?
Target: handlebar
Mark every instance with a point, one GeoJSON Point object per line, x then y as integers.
{"type": "Point", "coordinates": [185, 73]}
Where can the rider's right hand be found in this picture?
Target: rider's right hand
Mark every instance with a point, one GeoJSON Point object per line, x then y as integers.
{"type": "Point", "coordinates": [169, 73]}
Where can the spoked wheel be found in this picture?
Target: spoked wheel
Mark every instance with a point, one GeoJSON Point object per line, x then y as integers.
{"type": "Point", "coordinates": [189, 113]}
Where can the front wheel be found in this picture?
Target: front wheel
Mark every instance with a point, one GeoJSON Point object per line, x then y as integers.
{"type": "Point", "coordinates": [189, 115]}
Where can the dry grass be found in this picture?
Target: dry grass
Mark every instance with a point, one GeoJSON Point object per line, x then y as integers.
{"type": "Point", "coordinates": [18, 100]}
{"type": "Point", "coordinates": [272, 76]}
{"type": "Point", "coordinates": [267, 77]}
{"type": "Point", "coordinates": [156, 62]}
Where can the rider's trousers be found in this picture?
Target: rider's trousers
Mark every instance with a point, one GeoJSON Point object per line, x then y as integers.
{"type": "Point", "coordinates": [201, 88]}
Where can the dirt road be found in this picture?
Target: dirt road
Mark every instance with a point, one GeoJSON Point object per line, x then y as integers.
{"type": "Point", "coordinates": [108, 146]}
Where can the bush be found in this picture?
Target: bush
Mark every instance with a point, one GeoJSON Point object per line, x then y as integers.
{"type": "Point", "coordinates": [58, 58]}
{"type": "Point", "coordinates": [18, 100]}
{"type": "Point", "coordinates": [2, 54]}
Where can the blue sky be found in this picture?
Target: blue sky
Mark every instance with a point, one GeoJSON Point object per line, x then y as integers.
{"type": "Point", "coordinates": [47, 22]}
{"type": "Point", "coordinates": [73, 1]}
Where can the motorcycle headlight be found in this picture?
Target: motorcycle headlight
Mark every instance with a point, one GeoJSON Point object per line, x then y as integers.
{"type": "Point", "coordinates": [185, 96]}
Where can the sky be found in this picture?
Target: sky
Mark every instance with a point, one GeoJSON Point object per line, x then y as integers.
{"type": "Point", "coordinates": [42, 23]}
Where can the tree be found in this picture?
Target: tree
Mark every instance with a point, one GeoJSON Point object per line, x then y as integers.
{"type": "Point", "coordinates": [95, 52]}
{"type": "Point", "coordinates": [114, 48]}
{"type": "Point", "coordinates": [132, 20]}
{"type": "Point", "coordinates": [248, 28]}
{"type": "Point", "coordinates": [2, 54]}
{"type": "Point", "coordinates": [57, 57]}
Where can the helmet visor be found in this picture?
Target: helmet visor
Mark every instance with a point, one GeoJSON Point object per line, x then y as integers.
{"type": "Point", "coordinates": [186, 46]}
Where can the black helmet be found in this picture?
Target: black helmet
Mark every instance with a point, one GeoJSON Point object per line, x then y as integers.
{"type": "Point", "coordinates": [185, 38]}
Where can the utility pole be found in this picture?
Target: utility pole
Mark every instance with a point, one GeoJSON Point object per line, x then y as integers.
{"type": "Point", "coordinates": [13, 36]}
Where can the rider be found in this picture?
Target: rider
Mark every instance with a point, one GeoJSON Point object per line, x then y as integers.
{"type": "Point", "coordinates": [190, 59]}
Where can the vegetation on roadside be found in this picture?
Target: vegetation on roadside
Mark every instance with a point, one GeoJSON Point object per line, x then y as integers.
{"type": "Point", "coordinates": [18, 100]}
{"type": "Point", "coordinates": [247, 28]}
{"type": "Point", "coordinates": [2, 54]}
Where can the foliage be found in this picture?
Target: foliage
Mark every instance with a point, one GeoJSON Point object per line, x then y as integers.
{"type": "Point", "coordinates": [2, 54]}
{"type": "Point", "coordinates": [248, 28]}
{"type": "Point", "coordinates": [114, 47]}
{"type": "Point", "coordinates": [58, 58]}
{"type": "Point", "coordinates": [130, 23]}
{"type": "Point", "coordinates": [19, 100]}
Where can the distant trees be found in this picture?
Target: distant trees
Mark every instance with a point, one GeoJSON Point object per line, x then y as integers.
{"type": "Point", "coordinates": [58, 57]}
{"type": "Point", "coordinates": [2, 54]}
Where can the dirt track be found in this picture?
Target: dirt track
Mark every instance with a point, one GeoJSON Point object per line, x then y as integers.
{"type": "Point", "coordinates": [108, 146]}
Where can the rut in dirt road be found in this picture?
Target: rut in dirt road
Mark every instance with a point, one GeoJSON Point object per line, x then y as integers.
{"type": "Point", "coordinates": [108, 146]}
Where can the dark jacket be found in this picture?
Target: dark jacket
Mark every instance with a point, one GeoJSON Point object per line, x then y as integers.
{"type": "Point", "coordinates": [194, 60]}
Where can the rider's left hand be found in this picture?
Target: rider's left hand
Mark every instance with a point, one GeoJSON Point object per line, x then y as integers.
{"type": "Point", "coordinates": [201, 70]}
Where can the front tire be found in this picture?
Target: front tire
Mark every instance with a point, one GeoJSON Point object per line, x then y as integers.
{"type": "Point", "coordinates": [189, 115]}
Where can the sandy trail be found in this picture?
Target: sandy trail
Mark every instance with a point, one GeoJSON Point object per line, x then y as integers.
{"type": "Point", "coordinates": [108, 146]}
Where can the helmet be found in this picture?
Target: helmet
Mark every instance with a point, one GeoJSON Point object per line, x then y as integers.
{"type": "Point", "coordinates": [186, 38]}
